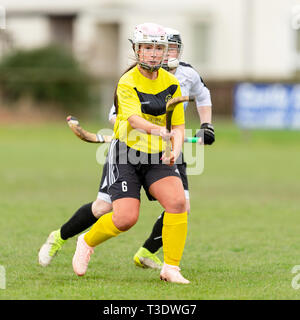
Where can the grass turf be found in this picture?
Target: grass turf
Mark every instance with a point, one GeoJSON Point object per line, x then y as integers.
{"type": "Point", "coordinates": [243, 233]}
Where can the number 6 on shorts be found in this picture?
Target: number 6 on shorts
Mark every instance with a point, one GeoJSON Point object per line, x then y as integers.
{"type": "Point", "coordinates": [124, 186]}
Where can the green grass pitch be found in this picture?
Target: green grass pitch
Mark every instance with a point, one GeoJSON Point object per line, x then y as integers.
{"type": "Point", "coordinates": [243, 233]}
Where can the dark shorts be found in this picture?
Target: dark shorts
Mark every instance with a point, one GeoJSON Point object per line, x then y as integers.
{"type": "Point", "coordinates": [124, 180]}
{"type": "Point", "coordinates": [103, 187]}
{"type": "Point", "coordinates": [181, 165]}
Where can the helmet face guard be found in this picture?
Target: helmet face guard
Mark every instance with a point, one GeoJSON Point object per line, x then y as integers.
{"type": "Point", "coordinates": [174, 38]}
{"type": "Point", "coordinates": [140, 54]}
{"type": "Point", "coordinates": [152, 35]}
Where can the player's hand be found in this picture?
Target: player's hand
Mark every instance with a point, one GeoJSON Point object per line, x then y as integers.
{"type": "Point", "coordinates": [168, 160]}
{"type": "Point", "coordinates": [209, 133]}
{"type": "Point", "coordinates": [165, 134]}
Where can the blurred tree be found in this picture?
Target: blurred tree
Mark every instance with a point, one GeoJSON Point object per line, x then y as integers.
{"type": "Point", "coordinates": [50, 75]}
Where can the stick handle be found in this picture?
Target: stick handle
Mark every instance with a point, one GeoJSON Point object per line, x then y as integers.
{"type": "Point", "coordinates": [168, 148]}
{"type": "Point", "coordinates": [170, 106]}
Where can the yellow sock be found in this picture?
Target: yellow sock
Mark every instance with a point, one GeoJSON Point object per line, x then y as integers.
{"type": "Point", "coordinates": [173, 236]}
{"type": "Point", "coordinates": [101, 231]}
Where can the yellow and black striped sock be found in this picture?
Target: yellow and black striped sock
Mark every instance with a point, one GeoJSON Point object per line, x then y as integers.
{"type": "Point", "coordinates": [101, 231]}
{"type": "Point", "coordinates": [173, 236]}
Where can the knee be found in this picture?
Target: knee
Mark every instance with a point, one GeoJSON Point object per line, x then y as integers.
{"type": "Point", "coordinates": [124, 226]}
{"type": "Point", "coordinates": [176, 205]}
{"type": "Point", "coordinates": [101, 207]}
{"type": "Point", "coordinates": [124, 223]}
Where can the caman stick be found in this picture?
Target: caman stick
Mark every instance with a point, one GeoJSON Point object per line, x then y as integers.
{"type": "Point", "coordinates": [170, 107]}
{"type": "Point", "coordinates": [85, 135]}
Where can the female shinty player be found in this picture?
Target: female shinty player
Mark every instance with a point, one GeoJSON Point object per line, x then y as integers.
{"type": "Point", "coordinates": [84, 217]}
{"type": "Point", "coordinates": [139, 160]}
{"type": "Point", "coordinates": [140, 101]}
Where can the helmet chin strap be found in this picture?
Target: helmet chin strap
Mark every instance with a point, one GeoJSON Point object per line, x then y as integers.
{"type": "Point", "coordinates": [147, 67]}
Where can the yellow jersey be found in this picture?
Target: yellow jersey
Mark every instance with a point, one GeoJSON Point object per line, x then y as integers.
{"type": "Point", "coordinates": [138, 95]}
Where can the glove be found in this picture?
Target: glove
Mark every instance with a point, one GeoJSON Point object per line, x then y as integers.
{"type": "Point", "coordinates": [209, 133]}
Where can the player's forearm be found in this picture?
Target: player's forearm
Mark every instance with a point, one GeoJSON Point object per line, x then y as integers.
{"type": "Point", "coordinates": [143, 125]}
{"type": "Point", "coordinates": [205, 114]}
{"type": "Point", "coordinates": [178, 139]}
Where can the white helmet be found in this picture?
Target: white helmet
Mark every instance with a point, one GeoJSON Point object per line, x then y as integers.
{"type": "Point", "coordinates": [149, 33]}
{"type": "Point", "coordinates": [173, 37]}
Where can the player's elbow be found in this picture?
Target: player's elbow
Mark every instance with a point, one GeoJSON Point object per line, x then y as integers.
{"type": "Point", "coordinates": [134, 121]}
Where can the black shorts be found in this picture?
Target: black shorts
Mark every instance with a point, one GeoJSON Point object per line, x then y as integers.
{"type": "Point", "coordinates": [126, 179]}
{"type": "Point", "coordinates": [103, 192]}
{"type": "Point", "coordinates": [181, 165]}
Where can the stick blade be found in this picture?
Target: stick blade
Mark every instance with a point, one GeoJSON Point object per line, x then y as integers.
{"type": "Point", "coordinates": [83, 134]}
{"type": "Point", "coordinates": [72, 120]}
{"type": "Point", "coordinates": [171, 104]}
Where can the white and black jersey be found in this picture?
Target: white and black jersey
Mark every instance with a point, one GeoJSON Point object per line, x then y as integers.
{"type": "Point", "coordinates": [191, 84]}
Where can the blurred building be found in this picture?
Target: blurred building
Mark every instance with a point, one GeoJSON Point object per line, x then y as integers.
{"type": "Point", "coordinates": [223, 40]}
